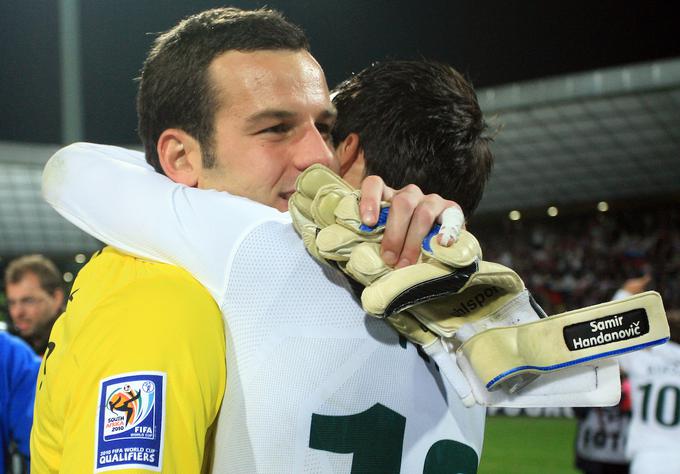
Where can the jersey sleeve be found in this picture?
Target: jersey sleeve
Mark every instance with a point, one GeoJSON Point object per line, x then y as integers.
{"type": "Point", "coordinates": [146, 376]}
{"type": "Point", "coordinates": [114, 195]}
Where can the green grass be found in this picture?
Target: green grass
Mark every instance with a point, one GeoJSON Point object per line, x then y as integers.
{"type": "Point", "coordinates": [523, 445]}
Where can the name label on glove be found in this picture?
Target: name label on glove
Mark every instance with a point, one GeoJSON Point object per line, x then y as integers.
{"type": "Point", "coordinates": [601, 331]}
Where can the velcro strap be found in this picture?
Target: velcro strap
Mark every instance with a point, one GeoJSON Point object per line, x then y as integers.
{"type": "Point", "coordinates": [586, 334]}
{"type": "Point", "coordinates": [413, 285]}
{"type": "Point", "coordinates": [490, 297]}
{"type": "Point", "coordinates": [582, 385]}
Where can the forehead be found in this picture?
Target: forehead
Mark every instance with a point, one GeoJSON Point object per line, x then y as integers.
{"type": "Point", "coordinates": [247, 82]}
{"type": "Point", "coordinates": [29, 282]}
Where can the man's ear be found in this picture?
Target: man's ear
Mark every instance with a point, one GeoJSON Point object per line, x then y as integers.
{"type": "Point", "coordinates": [350, 155]}
{"type": "Point", "coordinates": [180, 156]}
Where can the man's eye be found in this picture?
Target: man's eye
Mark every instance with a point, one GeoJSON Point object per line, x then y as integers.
{"type": "Point", "coordinates": [324, 129]}
{"type": "Point", "coordinates": [280, 128]}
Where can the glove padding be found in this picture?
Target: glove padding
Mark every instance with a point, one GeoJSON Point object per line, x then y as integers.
{"type": "Point", "coordinates": [428, 302]}
{"type": "Point", "coordinates": [325, 212]}
{"type": "Point", "coordinates": [308, 186]}
{"type": "Point", "coordinates": [583, 335]}
{"type": "Point", "coordinates": [451, 297]}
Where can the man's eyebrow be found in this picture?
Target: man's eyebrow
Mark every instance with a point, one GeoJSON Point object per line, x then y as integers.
{"type": "Point", "coordinates": [328, 114]}
{"type": "Point", "coordinates": [279, 114]}
{"type": "Point", "coordinates": [270, 114]}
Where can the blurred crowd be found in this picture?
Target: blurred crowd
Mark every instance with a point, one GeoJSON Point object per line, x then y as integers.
{"type": "Point", "coordinates": [575, 261]}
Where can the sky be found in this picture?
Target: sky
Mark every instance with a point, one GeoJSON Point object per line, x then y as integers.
{"type": "Point", "coordinates": [492, 42]}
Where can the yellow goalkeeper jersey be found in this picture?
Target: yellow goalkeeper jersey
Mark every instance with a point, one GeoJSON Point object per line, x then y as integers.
{"type": "Point", "coordinates": [134, 373]}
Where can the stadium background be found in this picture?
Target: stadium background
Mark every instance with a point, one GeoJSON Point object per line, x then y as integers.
{"type": "Point", "coordinates": [584, 98]}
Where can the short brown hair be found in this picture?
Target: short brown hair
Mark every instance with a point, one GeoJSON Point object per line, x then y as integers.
{"type": "Point", "coordinates": [418, 122]}
{"type": "Point", "coordinates": [174, 88]}
{"type": "Point", "coordinates": [47, 272]}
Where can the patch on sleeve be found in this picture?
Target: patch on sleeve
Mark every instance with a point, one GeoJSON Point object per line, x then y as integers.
{"type": "Point", "coordinates": [131, 422]}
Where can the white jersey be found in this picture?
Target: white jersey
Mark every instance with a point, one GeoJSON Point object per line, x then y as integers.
{"type": "Point", "coordinates": [654, 433]}
{"type": "Point", "coordinates": [313, 384]}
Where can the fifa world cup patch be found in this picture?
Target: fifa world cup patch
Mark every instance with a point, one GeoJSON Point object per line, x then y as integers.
{"type": "Point", "coordinates": [131, 422]}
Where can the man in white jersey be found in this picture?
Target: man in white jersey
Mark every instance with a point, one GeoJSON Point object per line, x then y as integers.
{"type": "Point", "coordinates": [314, 385]}
{"type": "Point", "coordinates": [602, 432]}
{"type": "Point", "coordinates": [654, 431]}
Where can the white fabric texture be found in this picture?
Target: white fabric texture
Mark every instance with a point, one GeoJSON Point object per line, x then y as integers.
{"type": "Point", "coordinates": [301, 354]}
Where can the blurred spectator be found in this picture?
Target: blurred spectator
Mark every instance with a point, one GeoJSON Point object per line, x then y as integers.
{"type": "Point", "coordinates": [601, 437]}
{"type": "Point", "coordinates": [35, 298]}
{"type": "Point", "coordinates": [18, 372]}
{"type": "Point", "coordinates": [571, 262]}
{"type": "Point", "coordinates": [654, 432]}
{"type": "Point", "coordinates": [633, 286]}
{"type": "Point", "coordinates": [602, 432]}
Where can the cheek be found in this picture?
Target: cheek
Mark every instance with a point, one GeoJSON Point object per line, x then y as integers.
{"type": "Point", "coordinates": [53, 307]}
{"type": "Point", "coordinates": [272, 171]}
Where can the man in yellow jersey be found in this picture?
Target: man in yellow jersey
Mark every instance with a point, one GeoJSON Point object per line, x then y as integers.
{"type": "Point", "coordinates": [135, 370]}
{"type": "Point", "coordinates": [127, 380]}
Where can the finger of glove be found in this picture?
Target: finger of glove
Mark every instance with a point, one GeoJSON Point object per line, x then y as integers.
{"type": "Point", "coordinates": [302, 204]}
{"type": "Point", "coordinates": [337, 242]}
{"type": "Point", "coordinates": [325, 203]}
{"type": "Point", "coordinates": [365, 264]}
{"type": "Point", "coordinates": [347, 214]}
{"type": "Point", "coordinates": [315, 177]}
{"type": "Point", "coordinates": [461, 254]}
{"type": "Point", "coordinates": [308, 184]}
{"type": "Point", "coordinates": [307, 230]}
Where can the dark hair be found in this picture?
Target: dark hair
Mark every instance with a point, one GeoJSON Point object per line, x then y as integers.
{"type": "Point", "coordinates": [48, 275]}
{"type": "Point", "coordinates": [418, 122]}
{"type": "Point", "coordinates": [174, 88]}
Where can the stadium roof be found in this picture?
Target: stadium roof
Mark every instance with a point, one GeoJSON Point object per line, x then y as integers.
{"type": "Point", "coordinates": [603, 135]}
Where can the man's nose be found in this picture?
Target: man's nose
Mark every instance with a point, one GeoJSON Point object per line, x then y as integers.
{"type": "Point", "coordinates": [313, 148]}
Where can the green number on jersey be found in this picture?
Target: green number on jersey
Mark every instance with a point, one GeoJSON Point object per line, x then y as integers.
{"type": "Point", "coordinates": [376, 438]}
{"type": "Point", "coordinates": [447, 456]}
{"type": "Point", "coordinates": [664, 406]}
